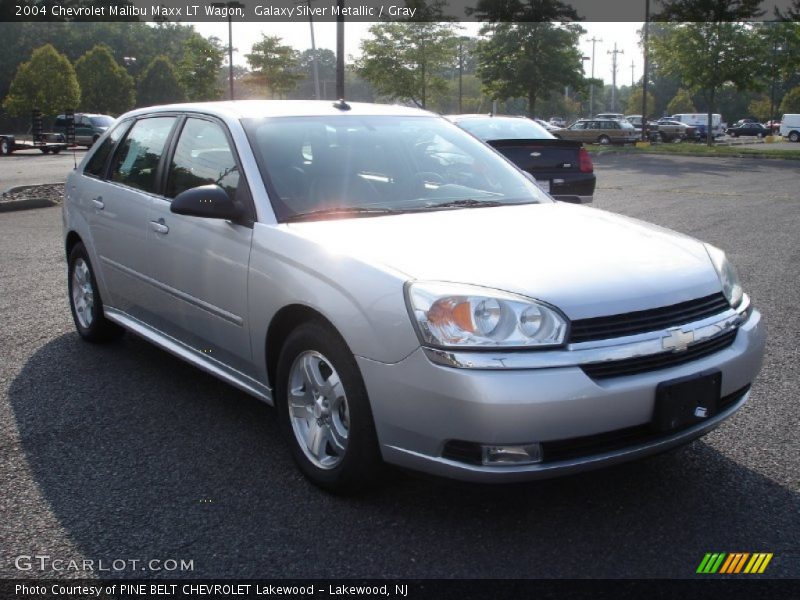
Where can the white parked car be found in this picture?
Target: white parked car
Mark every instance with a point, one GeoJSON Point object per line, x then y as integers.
{"type": "Point", "coordinates": [401, 292]}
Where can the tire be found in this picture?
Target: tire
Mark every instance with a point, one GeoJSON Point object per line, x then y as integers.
{"type": "Point", "coordinates": [604, 140]}
{"type": "Point", "coordinates": [341, 454]}
{"type": "Point", "coordinates": [45, 150]}
{"type": "Point", "coordinates": [85, 302]}
{"type": "Point", "coordinates": [56, 150]}
{"type": "Point", "coordinates": [4, 147]}
{"type": "Point", "coordinates": [794, 136]}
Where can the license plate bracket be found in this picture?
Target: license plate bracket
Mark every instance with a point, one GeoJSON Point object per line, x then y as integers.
{"type": "Point", "coordinates": [687, 401]}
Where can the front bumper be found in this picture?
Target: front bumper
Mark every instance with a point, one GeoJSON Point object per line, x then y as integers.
{"type": "Point", "coordinates": [418, 406]}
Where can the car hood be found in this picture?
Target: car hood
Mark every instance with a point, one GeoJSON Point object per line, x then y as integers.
{"type": "Point", "coordinates": [585, 261]}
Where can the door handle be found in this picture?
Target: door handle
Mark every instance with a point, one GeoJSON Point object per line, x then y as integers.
{"type": "Point", "coordinates": [159, 226]}
{"type": "Point", "coordinates": [98, 203]}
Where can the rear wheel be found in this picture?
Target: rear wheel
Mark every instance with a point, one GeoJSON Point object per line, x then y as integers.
{"type": "Point", "coordinates": [4, 147]}
{"type": "Point", "coordinates": [604, 140]}
{"type": "Point", "coordinates": [85, 302]}
{"type": "Point", "coordinates": [794, 136]}
{"type": "Point", "coordinates": [324, 411]}
{"type": "Point", "coordinates": [45, 150]}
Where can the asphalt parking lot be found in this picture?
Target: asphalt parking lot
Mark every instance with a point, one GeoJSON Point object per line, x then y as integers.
{"type": "Point", "coordinates": [124, 452]}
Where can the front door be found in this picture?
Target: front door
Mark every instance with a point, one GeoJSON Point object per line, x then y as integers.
{"type": "Point", "coordinates": [200, 265]}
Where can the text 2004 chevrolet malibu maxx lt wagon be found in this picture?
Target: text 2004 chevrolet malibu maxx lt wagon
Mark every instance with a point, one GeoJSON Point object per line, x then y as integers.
{"type": "Point", "coordinates": [401, 292]}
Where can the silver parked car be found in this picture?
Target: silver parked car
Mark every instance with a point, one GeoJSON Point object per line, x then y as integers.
{"type": "Point", "coordinates": [401, 292]}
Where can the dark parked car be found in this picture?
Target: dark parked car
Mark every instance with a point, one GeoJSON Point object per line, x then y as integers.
{"type": "Point", "coordinates": [88, 127]}
{"type": "Point", "coordinates": [756, 129]}
{"type": "Point", "coordinates": [562, 168]}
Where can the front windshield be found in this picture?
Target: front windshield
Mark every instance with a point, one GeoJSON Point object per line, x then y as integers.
{"type": "Point", "coordinates": [102, 121]}
{"type": "Point", "coordinates": [499, 128]}
{"type": "Point", "coordinates": [347, 163]}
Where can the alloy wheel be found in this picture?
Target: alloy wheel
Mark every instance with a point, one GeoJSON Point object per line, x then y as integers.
{"type": "Point", "coordinates": [318, 409]}
{"type": "Point", "coordinates": [82, 293]}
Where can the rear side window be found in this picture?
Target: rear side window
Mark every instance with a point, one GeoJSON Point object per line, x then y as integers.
{"type": "Point", "coordinates": [202, 157]}
{"type": "Point", "coordinates": [136, 161]}
{"type": "Point", "coordinates": [96, 165]}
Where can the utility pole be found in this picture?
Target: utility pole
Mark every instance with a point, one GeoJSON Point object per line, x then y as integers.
{"type": "Point", "coordinates": [314, 66]}
{"type": "Point", "coordinates": [340, 50]}
{"type": "Point", "coordinates": [644, 69]}
{"type": "Point", "coordinates": [594, 40]}
{"type": "Point", "coordinates": [460, 73]}
{"type": "Point", "coordinates": [633, 81]}
{"type": "Point", "coordinates": [613, 54]}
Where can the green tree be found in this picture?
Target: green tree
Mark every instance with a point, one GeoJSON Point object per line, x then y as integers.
{"type": "Point", "coordinates": [681, 103]}
{"type": "Point", "coordinates": [275, 64]}
{"type": "Point", "coordinates": [160, 84]}
{"type": "Point", "coordinates": [199, 68]}
{"type": "Point", "coordinates": [791, 101]}
{"type": "Point", "coordinates": [326, 68]}
{"type": "Point", "coordinates": [47, 82]}
{"type": "Point", "coordinates": [760, 108]}
{"type": "Point", "coordinates": [709, 45]}
{"type": "Point", "coordinates": [409, 60]}
{"type": "Point", "coordinates": [634, 105]}
{"type": "Point", "coordinates": [533, 49]}
{"type": "Point", "coordinates": [106, 86]}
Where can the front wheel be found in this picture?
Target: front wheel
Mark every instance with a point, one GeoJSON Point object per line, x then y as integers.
{"type": "Point", "coordinates": [4, 147]}
{"type": "Point", "coordinates": [85, 302]}
{"type": "Point", "coordinates": [794, 136]}
{"type": "Point", "coordinates": [324, 411]}
{"type": "Point", "coordinates": [604, 140]}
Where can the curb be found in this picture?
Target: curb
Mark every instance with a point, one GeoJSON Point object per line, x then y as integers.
{"type": "Point", "coordinates": [761, 156]}
{"type": "Point", "coordinates": [27, 203]}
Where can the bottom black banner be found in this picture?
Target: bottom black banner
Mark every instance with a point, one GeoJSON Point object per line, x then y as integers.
{"type": "Point", "coordinates": [460, 589]}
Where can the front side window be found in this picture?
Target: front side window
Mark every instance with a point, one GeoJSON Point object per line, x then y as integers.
{"type": "Point", "coordinates": [96, 165]}
{"type": "Point", "coordinates": [136, 161]}
{"type": "Point", "coordinates": [371, 164]}
{"type": "Point", "coordinates": [202, 156]}
{"type": "Point", "coordinates": [579, 125]}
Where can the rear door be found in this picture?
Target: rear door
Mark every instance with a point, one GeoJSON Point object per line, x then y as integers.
{"type": "Point", "coordinates": [121, 207]}
{"type": "Point", "coordinates": [200, 265]}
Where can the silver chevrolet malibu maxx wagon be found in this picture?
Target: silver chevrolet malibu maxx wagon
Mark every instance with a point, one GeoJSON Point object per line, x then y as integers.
{"type": "Point", "coordinates": [401, 292]}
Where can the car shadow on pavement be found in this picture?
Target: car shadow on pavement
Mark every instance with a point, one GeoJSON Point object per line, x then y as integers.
{"type": "Point", "coordinates": [141, 456]}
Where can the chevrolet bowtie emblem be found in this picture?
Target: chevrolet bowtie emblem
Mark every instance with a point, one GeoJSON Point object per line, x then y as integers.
{"type": "Point", "coordinates": [677, 340]}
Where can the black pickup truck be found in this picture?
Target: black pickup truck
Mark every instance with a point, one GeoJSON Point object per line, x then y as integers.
{"type": "Point", "coordinates": [561, 167]}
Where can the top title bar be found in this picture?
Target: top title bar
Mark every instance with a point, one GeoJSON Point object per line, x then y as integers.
{"type": "Point", "coordinates": [179, 11]}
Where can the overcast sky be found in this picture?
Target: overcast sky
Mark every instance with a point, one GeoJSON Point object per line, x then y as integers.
{"type": "Point", "coordinates": [298, 36]}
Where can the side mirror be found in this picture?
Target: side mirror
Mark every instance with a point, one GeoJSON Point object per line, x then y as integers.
{"type": "Point", "coordinates": [208, 201]}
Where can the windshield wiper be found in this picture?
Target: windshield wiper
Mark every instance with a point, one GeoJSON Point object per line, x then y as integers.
{"type": "Point", "coordinates": [342, 211]}
{"type": "Point", "coordinates": [466, 203]}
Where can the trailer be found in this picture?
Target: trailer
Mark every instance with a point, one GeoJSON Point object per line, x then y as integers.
{"type": "Point", "coordinates": [46, 143]}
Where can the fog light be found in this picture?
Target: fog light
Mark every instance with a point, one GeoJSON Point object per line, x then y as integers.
{"type": "Point", "coordinates": [524, 454]}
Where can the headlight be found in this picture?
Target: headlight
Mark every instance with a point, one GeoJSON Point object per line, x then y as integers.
{"type": "Point", "coordinates": [728, 277]}
{"type": "Point", "coordinates": [466, 316]}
